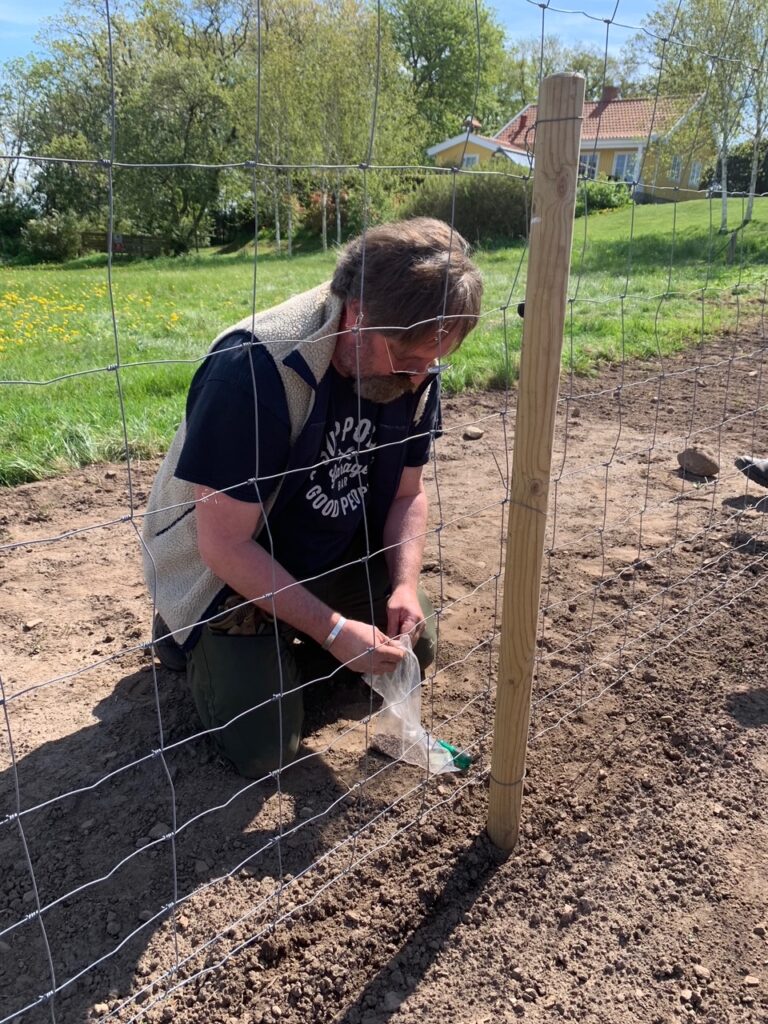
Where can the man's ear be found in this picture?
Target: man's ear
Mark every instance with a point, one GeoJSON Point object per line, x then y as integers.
{"type": "Point", "coordinates": [351, 312]}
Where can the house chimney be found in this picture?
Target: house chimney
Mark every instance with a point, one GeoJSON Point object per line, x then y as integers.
{"type": "Point", "coordinates": [610, 93]}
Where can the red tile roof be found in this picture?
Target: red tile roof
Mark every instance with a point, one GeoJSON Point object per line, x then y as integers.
{"type": "Point", "coordinates": [614, 119]}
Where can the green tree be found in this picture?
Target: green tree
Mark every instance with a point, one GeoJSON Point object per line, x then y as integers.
{"type": "Point", "coordinates": [526, 61]}
{"type": "Point", "coordinates": [755, 114]}
{"type": "Point", "coordinates": [16, 103]}
{"type": "Point", "coordinates": [451, 76]}
{"type": "Point", "coordinates": [203, 83]}
{"type": "Point", "coordinates": [699, 47]}
{"type": "Point", "coordinates": [178, 72]}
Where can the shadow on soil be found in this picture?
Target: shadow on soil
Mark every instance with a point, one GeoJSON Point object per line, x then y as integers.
{"type": "Point", "coordinates": [749, 707]}
{"type": "Point", "coordinates": [401, 975]}
{"type": "Point", "coordinates": [103, 863]}
{"type": "Point", "coordinates": [747, 501]}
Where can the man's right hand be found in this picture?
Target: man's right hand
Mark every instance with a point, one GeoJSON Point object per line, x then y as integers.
{"type": "Point", "coordinates": [364, 648]}
{"type": "Point", "coordinates": [225, 530]}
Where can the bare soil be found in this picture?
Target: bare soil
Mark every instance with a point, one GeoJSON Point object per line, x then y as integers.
{"type": "Point", "coordinates": [353, 889]}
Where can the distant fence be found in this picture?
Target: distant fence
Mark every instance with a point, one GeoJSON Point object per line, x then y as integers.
{"type": "Point", "coordinates": [125, 245]}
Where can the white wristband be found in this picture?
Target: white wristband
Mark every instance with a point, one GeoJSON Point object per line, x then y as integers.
{"type": "Point", "coordinates": [334, 633]}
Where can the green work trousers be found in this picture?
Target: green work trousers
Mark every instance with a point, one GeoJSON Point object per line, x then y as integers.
{"type": "Point", "coordinates": [249, 689]}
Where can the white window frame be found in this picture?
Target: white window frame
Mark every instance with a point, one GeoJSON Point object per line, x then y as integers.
{"type": "Point", "coordinates": [470, 160]}
{"type": "Point", "coordinates": [588, 164]}
{"type": "Point", "coordinates": [694, 177]}
{"type": "Point", "coordinates": [676, 169]}
{"type": "Point", "coordinates": [629, 160]}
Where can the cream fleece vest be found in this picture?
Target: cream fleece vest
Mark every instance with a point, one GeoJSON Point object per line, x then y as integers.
{"type": "Point", "coordinates": [182, 585]}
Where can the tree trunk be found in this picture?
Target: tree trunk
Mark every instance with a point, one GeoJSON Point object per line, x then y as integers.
{"type": "Point", "coordinates": [289, 231]}
{"type": "Point", "coordinates": [277, 221]}
{"type": "Point", "coordinates": [753, 176]}
{"type": "Point", "coordinates": [337, 197]}
{"type": "Point", "coordinates": [324, 207]}
{"type": "Point", "coordinates": [724, 191]}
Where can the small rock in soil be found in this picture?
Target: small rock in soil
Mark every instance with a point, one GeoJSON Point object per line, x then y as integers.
{"type": "Point", "coordinates": [698, 461]}
{"type": "Point", "coordinates": [702, 973]}
{"type": "Point", "coordinates": [473, 433]}
{"type": "Point", "coordinates": [567, 915]}
{"type": "Point", "coordinates": [751, 981]}
{"type": "Point", "coordinates": [686, 995]}
{"type": "Point", "coordinates": [32, 624]}
{"type": "Point", "coordinates": [392, 1001]}
{"type": "Point", "coordinates": [159, 830]}
{"type": "Point", "coordinates": [584, 836]}
{"type": "Point", "coordinates": [100, 1009]}
{"type": "Point", "coordinates": [761, 930]}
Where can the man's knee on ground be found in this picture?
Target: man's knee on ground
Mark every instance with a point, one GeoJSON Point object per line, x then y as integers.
{"type": "Point", "coordinates": [235, 681]}
{"type": "Point", "coordinates": [253, 756]}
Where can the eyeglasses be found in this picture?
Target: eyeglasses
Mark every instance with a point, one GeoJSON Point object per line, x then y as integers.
{"type": "Point", "coordinates": [432, 370]}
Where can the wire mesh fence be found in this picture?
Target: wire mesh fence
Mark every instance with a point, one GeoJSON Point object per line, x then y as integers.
{"type": "Point", "coordinates": [139, 862]}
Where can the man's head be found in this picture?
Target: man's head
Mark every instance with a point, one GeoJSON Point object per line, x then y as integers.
{"type": "Point", "coordinates": [411, 297]}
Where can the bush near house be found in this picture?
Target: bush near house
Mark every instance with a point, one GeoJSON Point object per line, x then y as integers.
{"type": "Point", "coordinates": [601, 194]}
{"type": "Point", "coordinates": [52, 239]}
{"type": "Point", "coordinates": [740, 169]}
{"type": "Point", "coordinates": [495, 208]}
{"type": "Point", "coordinates": [487, 209]}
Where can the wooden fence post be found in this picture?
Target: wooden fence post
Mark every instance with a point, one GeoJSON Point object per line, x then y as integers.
{"type": "Point", "coordinates": [556, 160]}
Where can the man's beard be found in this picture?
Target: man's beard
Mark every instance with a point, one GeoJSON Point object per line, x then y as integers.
{"type": "Point", "coordinates": [382, 389]}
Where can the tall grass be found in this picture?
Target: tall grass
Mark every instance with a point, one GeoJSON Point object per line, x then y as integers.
{"type": "Point", "coordinates": [645, 282]}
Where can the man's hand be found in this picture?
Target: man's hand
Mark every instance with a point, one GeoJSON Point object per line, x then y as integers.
{"type": "Point", "coordinates": [404, 614]}
{"type": "Point", "coordinates": [364, 648]}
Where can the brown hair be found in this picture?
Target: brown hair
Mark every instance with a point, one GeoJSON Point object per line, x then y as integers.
{"type": "Point", "coordinates": [411, 274]}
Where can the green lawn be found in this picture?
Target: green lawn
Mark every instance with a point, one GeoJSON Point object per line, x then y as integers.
{"type": "Point", "coordinates": [633, 298]}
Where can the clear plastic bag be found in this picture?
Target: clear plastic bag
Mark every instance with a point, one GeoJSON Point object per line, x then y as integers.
{"type": "Point", "coordinates": [398, 731]}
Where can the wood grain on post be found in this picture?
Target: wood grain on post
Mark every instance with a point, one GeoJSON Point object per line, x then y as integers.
{"type": "Point", "coordinates": [556, 162]}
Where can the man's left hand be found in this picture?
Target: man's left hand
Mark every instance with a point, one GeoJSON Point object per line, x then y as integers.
{"type": "Point", "coordinates": [404, 614]}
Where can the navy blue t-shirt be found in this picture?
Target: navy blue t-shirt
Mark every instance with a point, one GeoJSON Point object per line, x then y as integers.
{"type": "Point", "coordinates": [238, 430]}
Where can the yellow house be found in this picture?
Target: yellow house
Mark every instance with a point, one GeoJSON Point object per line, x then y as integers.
{"type": "Point", "coordinates": [660, 144]}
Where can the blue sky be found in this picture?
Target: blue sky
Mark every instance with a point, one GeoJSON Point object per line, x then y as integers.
{"type": "Point", "coordinates": [574, 21]}
{"type": "Point", "coordinates": [20, 21]}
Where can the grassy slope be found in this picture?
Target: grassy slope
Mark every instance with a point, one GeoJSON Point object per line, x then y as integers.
{"type": "Point", "coordinates": [634, 298]}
